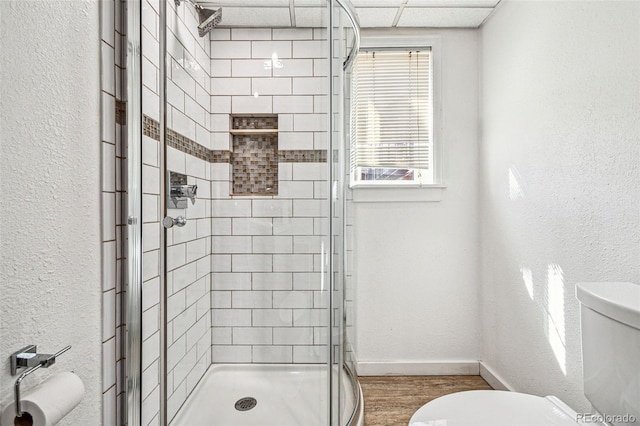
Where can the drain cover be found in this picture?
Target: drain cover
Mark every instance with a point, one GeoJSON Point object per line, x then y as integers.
{"type": "Point", "coordinates": [246, 404]}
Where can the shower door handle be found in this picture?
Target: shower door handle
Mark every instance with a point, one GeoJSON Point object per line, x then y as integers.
{"type": "Point", "coordinates": [168, 221]}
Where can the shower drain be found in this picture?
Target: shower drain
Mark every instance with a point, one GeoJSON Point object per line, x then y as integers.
{"type": "Point", "coordinates": [246, 404]}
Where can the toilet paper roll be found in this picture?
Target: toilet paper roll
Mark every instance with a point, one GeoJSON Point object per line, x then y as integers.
{"type": "Point", "coordinates": [49, 402]}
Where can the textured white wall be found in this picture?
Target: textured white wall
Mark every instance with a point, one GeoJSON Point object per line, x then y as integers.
{"type": "Point", "coordinates": [560, 182]}
{"type": "Point", "coordinates": [416, 263]}
{"type": "Point", "coordinates": [50, 162]}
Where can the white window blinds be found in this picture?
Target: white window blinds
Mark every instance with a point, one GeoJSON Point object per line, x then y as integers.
{"type": "Point", "coordinates": [392, 110]}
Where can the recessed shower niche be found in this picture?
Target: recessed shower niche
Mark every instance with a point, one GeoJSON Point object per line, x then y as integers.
{"type": "Point", "coordinates": [254, 158]}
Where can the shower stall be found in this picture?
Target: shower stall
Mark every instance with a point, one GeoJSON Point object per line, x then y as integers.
{"type": "Point", "coordinates": [239, 299]}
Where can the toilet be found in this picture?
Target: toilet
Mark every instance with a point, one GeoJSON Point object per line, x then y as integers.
{"type": "Point", "coordinates": [610, 322]}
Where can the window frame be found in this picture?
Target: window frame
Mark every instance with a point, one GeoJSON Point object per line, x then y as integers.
{"type": "Point", "coordinates": [381, 40]}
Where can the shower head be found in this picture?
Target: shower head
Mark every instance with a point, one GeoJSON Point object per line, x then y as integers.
{"type": "Point", "coordinates": [208, 19]}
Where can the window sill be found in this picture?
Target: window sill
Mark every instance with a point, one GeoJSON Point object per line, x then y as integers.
{"type": "Point", "coordinates": [368, 193]}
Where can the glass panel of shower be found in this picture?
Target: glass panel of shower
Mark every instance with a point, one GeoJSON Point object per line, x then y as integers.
{"type": "Point", "coordinates": [243, 169]}
{"type": "Point", "coordinates": [346, 42]}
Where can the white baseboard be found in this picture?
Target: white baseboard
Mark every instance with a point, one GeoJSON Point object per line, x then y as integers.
{"type": "Point", "coordinates": [494, 379]}
{"type": "Point", "coordinates": [370, 368]}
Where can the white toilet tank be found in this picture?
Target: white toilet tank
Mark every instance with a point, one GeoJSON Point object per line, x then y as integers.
{"type": "Point", "coordinates": [610, 321]}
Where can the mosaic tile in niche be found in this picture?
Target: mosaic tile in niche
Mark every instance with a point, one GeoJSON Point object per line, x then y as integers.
{"type": "Point", "coordinates": [255, 122]}
{"type": "Point", "coordinates": [255, 165]}
{"type": "Point", "coordinates": [254, 158]}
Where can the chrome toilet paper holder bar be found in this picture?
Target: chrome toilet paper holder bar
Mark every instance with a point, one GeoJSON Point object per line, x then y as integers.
{"type": "Point", "coordinates": [28, 358]}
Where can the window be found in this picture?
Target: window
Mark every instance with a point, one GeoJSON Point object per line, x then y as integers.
{"type": "Point", "coordinates": [392, 118]}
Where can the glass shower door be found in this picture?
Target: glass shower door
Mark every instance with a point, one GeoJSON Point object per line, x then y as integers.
{"type": "Point", "coordinates": [247, 318]}
{"type": "Point", "coordinates": [243, 163]}
{"type": "Point", "coordinates": [345, 389]}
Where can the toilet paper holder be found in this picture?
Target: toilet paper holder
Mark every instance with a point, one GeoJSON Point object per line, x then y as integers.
{"type": "Point", "coordinates": [28, 358]}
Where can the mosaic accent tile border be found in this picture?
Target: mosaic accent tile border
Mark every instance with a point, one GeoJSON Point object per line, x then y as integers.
{"type": "Point", "coordinates": [151, 128]}
{"type": "Point", "coordinates": [303, 156]}
{"type": "Point", "coordinates": [188, 146]}
{"type": "Point", "coordinates": [121, 112]}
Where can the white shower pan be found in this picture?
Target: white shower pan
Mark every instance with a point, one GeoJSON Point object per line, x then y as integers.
{"type": "Point", "coordinates": [285, 394]}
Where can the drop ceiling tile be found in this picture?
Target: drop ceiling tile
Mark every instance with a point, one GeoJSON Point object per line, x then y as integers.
{"type": "Point", "coordinates": [452, 3]}
{"type": "Point", "coordinates": [256, 17]}
{"type": "Point", "coordinates": [310, 3]}
{"type": "Point", "coordinates": [311, 16]}
{"type": "Point", "coordinates": [376, 3]}
{"type": "Point", "coordinates": [441, 17]}
{"type": "Point", "coordinates": [248, 3]}
{"type": "Point", "coordinates": [376, 17]}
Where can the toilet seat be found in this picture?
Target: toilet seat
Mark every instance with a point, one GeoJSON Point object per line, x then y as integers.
{"type": "Point", "coordinates": [493, 408]}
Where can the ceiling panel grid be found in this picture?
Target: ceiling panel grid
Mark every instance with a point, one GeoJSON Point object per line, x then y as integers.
{"type": "Point", "coordinates": [372, 13]}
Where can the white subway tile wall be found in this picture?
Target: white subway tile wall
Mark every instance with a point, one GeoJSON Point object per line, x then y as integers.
{"type": "Point", "coordinates": [188, 249]}
{"type": "Point", "coordinates": [151, 228]}
{"type": "Point", "coordinates": [188, 255]}
{"type": "Point", "coordinates": [263, 245]}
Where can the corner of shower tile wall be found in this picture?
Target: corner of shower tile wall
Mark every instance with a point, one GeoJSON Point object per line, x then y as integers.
{"type": "Point", "coordinates": [151, 227]}
{"type": "Point", "coordinates": [188, 278]}
{"type": "Point", "coordinates": [188, 248]}
{"type": "Point", "coordinates": [113, 161]}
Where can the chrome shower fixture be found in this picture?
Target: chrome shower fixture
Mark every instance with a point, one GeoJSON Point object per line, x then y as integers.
{"type": "Point", "coordinates": [208, 18]}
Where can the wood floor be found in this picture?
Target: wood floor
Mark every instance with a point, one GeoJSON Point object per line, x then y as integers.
{"type": "Point", "coordinates": [392, 400]}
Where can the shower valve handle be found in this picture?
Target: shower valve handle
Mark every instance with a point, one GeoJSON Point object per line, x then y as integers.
{"type": "Point", "coordinates": [168, 221]}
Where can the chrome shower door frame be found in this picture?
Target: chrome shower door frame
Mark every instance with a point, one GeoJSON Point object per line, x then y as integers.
{"type": "Point", "coordinates": [134, 214]}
